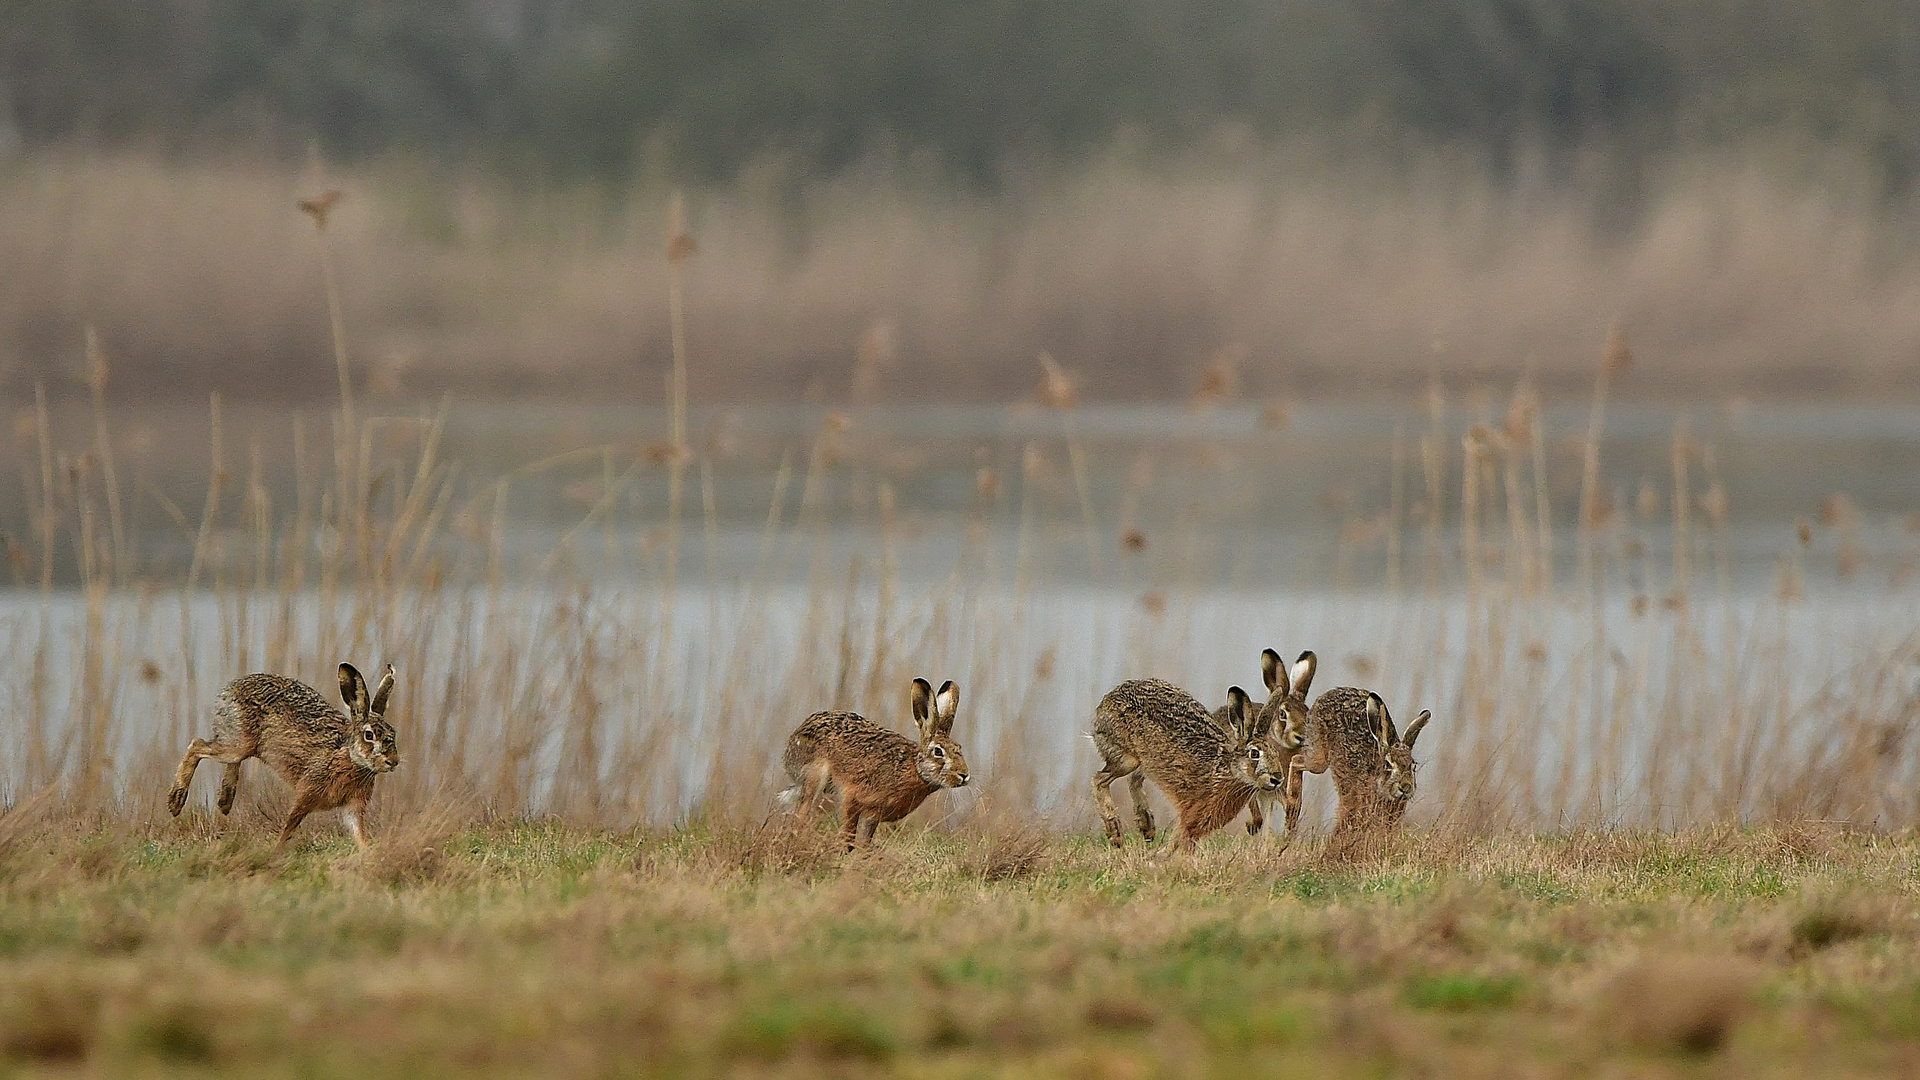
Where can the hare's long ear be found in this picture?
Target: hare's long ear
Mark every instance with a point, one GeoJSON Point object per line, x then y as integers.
{"type": "Point", "coordinates": [1303, 669]}
{"type": "Point", "coordinates": [1273, 673]}
{"type": "Point", "coordinates": [1413, 729]}
{"type": "Point", "coordinates": [1379, 724]}
{"type": "Point", "coordinates": [945, 704]}
{"type": "Point", "coordinates": [1239, 713]}
{"type": "Point", "coordinates": [922, 696]}
{"type": "Point", "coordinates": [353, 691]}
{"type": "Point", "coordinates": [379, 706]}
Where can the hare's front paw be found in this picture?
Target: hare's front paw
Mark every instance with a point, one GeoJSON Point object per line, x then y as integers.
{"type": "Point", "coordinates": [176, 801]}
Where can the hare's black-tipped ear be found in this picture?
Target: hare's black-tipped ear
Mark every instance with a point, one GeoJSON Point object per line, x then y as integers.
{"type": "Point", "coordinates": [1379, 724]}
{"type": "Point", "coordinates": [1274, 675]}
{"type": "Point", "coordinates": [353, 691]}
{"type": "Point", "coordinates": [945, 704]}
{"type": "Point", "coordinates": [379, 706]}
{"type": "Point", "coordinates": [922, 698]}
{"type": "Point", "coordinates": [1413, 729]}
{"type": "Point", "coordinates": [1303, 669]}
{"type": "Point", "coordinates": [1239, 713]}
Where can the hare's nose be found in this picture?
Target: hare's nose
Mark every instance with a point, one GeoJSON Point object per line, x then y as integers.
{"type": "Point", "coordinates": [959, 779]}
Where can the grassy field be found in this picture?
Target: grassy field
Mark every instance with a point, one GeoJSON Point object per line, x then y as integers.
{"type": "Point", "coordinates": [567, 880]}
{"type": "Point", "coordinates": [137, 947]}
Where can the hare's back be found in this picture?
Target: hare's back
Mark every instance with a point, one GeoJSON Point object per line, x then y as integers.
{"type": "Point", "coordinates": [847, 741]}
{"type": "Point", "coordinates": [1341, 716]}
{"type": "Point", "coordinates": [265, 705]}
{"type": "Point", "coordinates": [1155, 714]}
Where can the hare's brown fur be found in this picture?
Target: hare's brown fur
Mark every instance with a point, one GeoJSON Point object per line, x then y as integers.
{"type": "Point", "coordinates": [331, 758]}
{"type": "Point", "coordinates": [1284, 714]}
{"type": "Point", "coordinates": [879, 775]}
{"type": "Point", "coordinates": [1372, 763]}
{"type": "Point", "coordinates": [1151, 729]}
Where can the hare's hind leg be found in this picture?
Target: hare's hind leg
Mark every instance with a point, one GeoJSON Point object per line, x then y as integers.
{"type": "Point", "coordinates": [849, 819]}
{"type": "Point", "coordinates": [307, 798]}
{"type": "Point", "coordinates": [229, 786]}
{"type": "Point", "coordinates": [814, 781]}
{"type": "Point", "coordinates": [1142, 811]}
{"type": "Point", "coordinates": [197, 749]}
{"type": "Point", "coordinates": [1103, 799]}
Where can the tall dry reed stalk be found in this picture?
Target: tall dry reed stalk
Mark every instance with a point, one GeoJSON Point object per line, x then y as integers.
{"type": "Point", "coordinates": [531, 683]}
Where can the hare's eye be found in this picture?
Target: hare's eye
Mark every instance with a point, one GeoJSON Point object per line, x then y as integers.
{"type": "Point", "coordinates": [937, 752]}
{"type": "Point", "coordinates": [1253, 752]}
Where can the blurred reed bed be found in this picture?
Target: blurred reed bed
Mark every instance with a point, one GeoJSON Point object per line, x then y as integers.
{"type": "Point", "coordinates": [1773, 273]}
{"type": "Point", "coordinates": [1576, 680]}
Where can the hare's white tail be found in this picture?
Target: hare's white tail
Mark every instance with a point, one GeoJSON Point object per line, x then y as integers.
{"type": "Point", "coordinates": [789, 798]}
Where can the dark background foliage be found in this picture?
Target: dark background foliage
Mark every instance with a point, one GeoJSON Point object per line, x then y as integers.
{"type": "Point", "coordinates": [695, 88]}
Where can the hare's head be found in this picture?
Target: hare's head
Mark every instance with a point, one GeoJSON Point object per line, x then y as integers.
{"type": "Point", "coordinates": [370, 741]}
{"type": "Point", "coordinates": [1255, 752]}
{"type": "Point", "coordinates": [941, 762]}
{"type": "Point", "coordinates": [1285, 713]}
{"type": "Point", "coordinates": [1396, 778]}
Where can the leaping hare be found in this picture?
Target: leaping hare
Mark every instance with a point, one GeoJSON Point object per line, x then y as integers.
{"type": "Point", "coordinates": [331, 759]}
{"type": "Point", "coordinates": [879, 775]}
{"type": "Point", "coordinates": [1285, 715]}
{"type": "Point", "coordinates": [1151, 729]}
{"type": "Point", "coordinates": [1351, 731]}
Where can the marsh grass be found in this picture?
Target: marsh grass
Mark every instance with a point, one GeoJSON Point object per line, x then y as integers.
{"type": "Point", "coordinates": [534, 687]}
{"type": "Point", "coordinates": [546, 947]}
{"type": "Point", "coordinates": [538, 688]}
{"type": "Point", "coordinates": [1761, 274]}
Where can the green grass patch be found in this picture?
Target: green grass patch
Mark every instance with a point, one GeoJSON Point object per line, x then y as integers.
{"type": "Point", "coordinates": [1463, 991]}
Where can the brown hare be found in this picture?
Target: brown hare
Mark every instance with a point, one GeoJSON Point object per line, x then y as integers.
{"type": "Point", "coordinates": [879, 775]}
{"type": "Point", "coordinates": [1351, 731]}
{"type": "Point", "coordinates": [1285, 715]}
{"type": "Point", "coordinates": [330, 758]}
{"type": "Point", "coordinates": [1151, 729]}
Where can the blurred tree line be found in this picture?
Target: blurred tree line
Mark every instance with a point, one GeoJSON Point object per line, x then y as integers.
{"type": "Point", "coordinates": [698, 88]}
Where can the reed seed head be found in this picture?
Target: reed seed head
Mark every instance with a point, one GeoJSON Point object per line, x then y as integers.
{"type": "Point", "coordinates": [318, 207]}
{"type": "Point", "coordinates": [681, 247]}
{"type": "Point", "coordinates": [1057, 387]}
{"type": "Point", "coordinates": [1647, 503]}
{"type": "Point", "coordinates": [1838, 511]}
{"type": "Point", "coordinates": [1714, 504]}
{"type": "Point", "coordinates": [1618, 356]}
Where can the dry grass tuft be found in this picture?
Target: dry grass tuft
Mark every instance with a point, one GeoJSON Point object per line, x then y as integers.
{"type": "Point", "coordinates": [413, 852]}
{"type": "Point", "coordinates": [1112, 1013]}
{"type": "Point", "coordinates": [1010, 850]}
{"type": "Point", "coordinates": [785, 844]}
{"type": "Point", "coordinates": [25, 820]}
{"type": "Point", "coordinates": [1830, 923]}
{"type": "Point", "coordinates": [1687, 1003]}
{"type": "Point", "coordinates": [48, 1025]}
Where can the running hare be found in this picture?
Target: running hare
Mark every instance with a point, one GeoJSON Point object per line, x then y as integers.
{"type": "Point", "coordinates": [879, 775]}
{"type": "Point", "coordinates": [1351, 731]}
{"type": "Point", "coordinates": [1285, 715]}
{"type": "Point", "coordinates": [330, 759]}
{"type": "Point", "coordinates": [1150, 729]}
